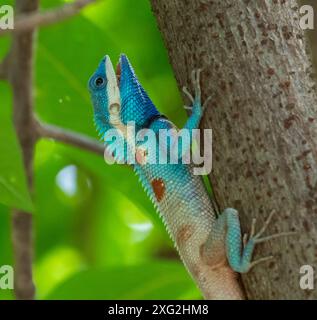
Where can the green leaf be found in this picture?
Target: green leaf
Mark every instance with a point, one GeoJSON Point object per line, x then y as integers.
{"type": "Point", "coordinates": [5, 252]}
{"type": "Point", "coordinates": [13, 187]}
{"type": "Point", "coordinates": [156, 280]}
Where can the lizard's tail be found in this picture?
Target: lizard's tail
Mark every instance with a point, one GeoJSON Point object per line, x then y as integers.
{"type": "Point", "coordinates": [218, 282]}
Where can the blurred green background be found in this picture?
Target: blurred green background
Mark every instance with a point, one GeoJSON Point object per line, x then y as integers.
{"type": "Point", "coordinates": [97, 235]}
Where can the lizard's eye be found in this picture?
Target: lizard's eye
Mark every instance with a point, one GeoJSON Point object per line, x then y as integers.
{"type": "Point", "coordinates": [99, 82]}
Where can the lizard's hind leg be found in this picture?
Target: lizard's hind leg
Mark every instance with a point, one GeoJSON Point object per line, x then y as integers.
{"type": "Point", "coordinates": [239, 258]}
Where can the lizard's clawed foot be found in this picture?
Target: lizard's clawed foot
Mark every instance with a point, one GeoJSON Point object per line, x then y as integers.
{"type": "Point", "coordinates": [256, 238]}
{"type": "Point", "coordinates": [261, 260]}
{"type": "Point", "coordinates": [241, 260]}
{"type": "Point", "coordinates": [195, 77]}
{"type": "Point", "coordinates": [196, 101]}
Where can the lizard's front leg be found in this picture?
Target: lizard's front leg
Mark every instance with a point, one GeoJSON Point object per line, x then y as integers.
{"type": "Point", "coordinates": [197, 110]}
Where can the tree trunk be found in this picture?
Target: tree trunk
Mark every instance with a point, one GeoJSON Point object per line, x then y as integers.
{"type": "Point", "coordinates": [263, 116]}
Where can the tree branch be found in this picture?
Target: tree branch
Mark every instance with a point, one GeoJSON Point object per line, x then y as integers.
{"type": "Point", "coordinates": [2, 71]}
{"type": "Point", "coordinates": [20, 75]}
{"type": "Point", "coordinates": [4, 66]}
{"type": "Point", "coordinates": [27, 22]}
{"type": "Point", "coordinates": [69, 137]}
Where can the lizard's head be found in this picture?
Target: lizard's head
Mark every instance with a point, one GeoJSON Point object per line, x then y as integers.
{"type": "Point", "coordinates": [118, 95]}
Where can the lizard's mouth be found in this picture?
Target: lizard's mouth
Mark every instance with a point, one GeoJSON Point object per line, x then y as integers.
{"type": "Point", "coordinates": [118, 73]}
{"type": "Point", "coordinates": [113, 91]}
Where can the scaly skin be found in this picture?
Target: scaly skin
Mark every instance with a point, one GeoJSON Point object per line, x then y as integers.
{"type": "Point", "coordinates": [210, 247]}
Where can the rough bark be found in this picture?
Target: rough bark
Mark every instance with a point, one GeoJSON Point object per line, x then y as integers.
{"type": "Point", "coordinates": [263, 117]}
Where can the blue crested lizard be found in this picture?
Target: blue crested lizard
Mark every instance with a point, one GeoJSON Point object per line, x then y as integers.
{"type": "Point", "coordinates": [210, 246]}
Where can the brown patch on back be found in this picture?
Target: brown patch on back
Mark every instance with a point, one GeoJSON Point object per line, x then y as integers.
{"type": "Point", "coordinates": [184, 233]}
{"type": "Point", "coordinates": [158, 188]}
